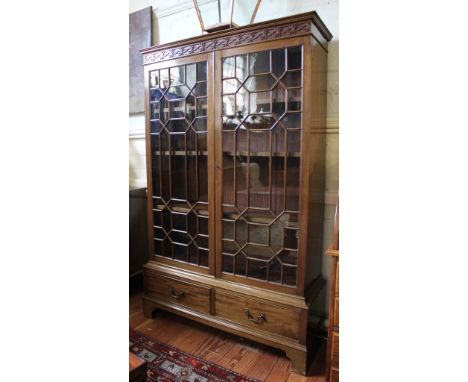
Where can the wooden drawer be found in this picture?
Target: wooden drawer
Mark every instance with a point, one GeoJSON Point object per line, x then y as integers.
{"type": "Point", "coordinates": [336, 316]}
{"type": "Point", "coordinates": [258, 314]}
{"type": "Point", "coordinates": [335, 348]}
{"type": "Point", "coordinates": [178, 292]}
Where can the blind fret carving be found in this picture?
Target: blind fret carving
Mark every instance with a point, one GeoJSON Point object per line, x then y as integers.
{"type": "Point", "coordinates": [271, 33]}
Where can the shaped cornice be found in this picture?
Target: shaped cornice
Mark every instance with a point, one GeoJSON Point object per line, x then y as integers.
{"type": "Point", "coordinates": [293, 26]}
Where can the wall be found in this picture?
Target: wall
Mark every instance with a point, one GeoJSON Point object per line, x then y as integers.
{"type": "Point", "coordinates": [177, 19]}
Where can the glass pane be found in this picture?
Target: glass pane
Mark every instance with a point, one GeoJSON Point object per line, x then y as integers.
{"type": "Point", "coordinates": [278, 100]}
{"type": "Point", "coordinates": [164, 73]}
{"type": "Point", "coordinates": [176, 109]}
{"type": "Point", "coordinates": [154, 79]}
{"type": "Point", "coordinates": [230, 86]}
{"type": "Point", "coordinates": [200, 90]}
{"type": "Point", "coordinates": [242, 144]}
{"type": "Point", "coordinates": [241, 68]}
{"type": "Point", "coordinates": [292, 78]}
{"type": "Point", "coordinates": [259, 62]}
{"type": "Point", "coordinates": [292, 121]}
{"type": "Point", "coordinates": [259, 178]}
{"type": "Point", "coordinates": [202, 141]}
{"type": "Point", "coordinates": [289, 275]}
{"type": "Point", "coordinates": [179, 163]}
{"type": "Point", "coordinates": [229, 105]}
{"type": "Point", "coordinates": [177, 92]}
{"type": "Point", "coordinates": [202, 178]}
{"type": "Point", "coordinates": [192, 180]}
{"type": "Point", "coordinates": [201, 71]}
{"type": "Point", "coordinates": [260, 83]}
{"type": "Point", "coordinates": [228, 263]}
{"type": "Point", "coordinates": [178, 177]}
{"type": "Point", "coordinates": [258, 269]}
{"type": "Point", "coordinates": [155, 94]}
{"type": "Point", "coordinates": [203, 225]}
{"type": "Point", "coordinates": [156, 127]}
{"type": "Point", "coordinates": [155, 110]}
{"type": "Point", "coordinates": [241, 264]}
{"type": "Point", "coordinates": [242, 102]}
{"type": "Point", "coordinates": [278, 62]}
{"type": "Point", "coordinates": [261, 144]}
{"type": "Point", "coordinates": [292, 184]}
{"type": "Point", "coordinates": [203, 257]}
{"type": "Point", "coordinates": [294, 99]}
{"type": "Point", "coordinates": [179, 221]}
{"type": "Point", "coordinates": [192, 254]}
{"type": "Point", "coordinates": [200, 124]}
{"type": "Point", "coordinates": [229, 67]}
{"type": "Point", "coordinates": [202, 107]}
{"type": "Point", "coordinates": [260, 102]}
{"type": "Point", "coordinates": [177, 75]}
{"type": "Point", "coordinates": [180, 251]}
{"type": "Point", "coordinates": [191, 75]}
{"type": "Point", "coordinates": [190, 107]}
{"type": "Point", "coordinates": [294, 141]}
{"type": "Point", "coordinates": [294, 58]}
{"type": "Point", "coordinates": [176, 125]}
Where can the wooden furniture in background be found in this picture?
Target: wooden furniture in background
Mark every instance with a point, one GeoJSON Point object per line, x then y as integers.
{"type": "Point", "coordinates": [249, 358]}
{"type": "Point", "coordinates": [235, 124]}
{"type": "Point", "coordinates": [333, 316]}
{"type": "Point", "coordinates": [137, 368]}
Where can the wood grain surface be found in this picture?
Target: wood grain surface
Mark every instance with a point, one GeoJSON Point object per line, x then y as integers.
{"type": "Point", "coordinates": [250, 358]}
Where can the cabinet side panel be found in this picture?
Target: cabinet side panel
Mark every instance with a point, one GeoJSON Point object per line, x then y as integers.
{"type": "Point", "coordinates": [149, 175]}
{"type": "Point", "coordinates": [317, 124]}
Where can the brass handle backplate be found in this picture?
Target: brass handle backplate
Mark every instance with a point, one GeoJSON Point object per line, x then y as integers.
{"type": "Point", "coordinates": [260, 317]}
{"type": "Point", "coordinates": [177, 295]}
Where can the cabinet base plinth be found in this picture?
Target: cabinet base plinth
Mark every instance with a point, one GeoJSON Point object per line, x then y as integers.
{"type": "Point", "coordinates": [298, 360]}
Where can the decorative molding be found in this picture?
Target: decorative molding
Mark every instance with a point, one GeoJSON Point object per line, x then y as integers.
{"type": "Point", "coordinates": [243, 38]}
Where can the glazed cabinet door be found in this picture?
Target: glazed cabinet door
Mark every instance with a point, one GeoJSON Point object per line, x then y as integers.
{"type": "Point", "coordinates": [179, 155]}
{"type": "Point", "coordinates": [258, 158]}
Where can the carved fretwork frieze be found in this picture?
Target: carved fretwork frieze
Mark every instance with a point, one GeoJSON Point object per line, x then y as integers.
{"type": "Point", "coordinates": [265, 34]}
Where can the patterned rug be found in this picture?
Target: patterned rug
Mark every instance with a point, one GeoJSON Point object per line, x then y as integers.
{"type": "Point", "coordinates": [169, 364]}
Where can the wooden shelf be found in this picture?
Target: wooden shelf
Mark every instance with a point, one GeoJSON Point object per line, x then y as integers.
{"type": "Point", "coordinates": [262, 154]}
{"type": "Point", "coordinates": [229, 153]}
{"type": "Point", "coordinates": [181, 153]}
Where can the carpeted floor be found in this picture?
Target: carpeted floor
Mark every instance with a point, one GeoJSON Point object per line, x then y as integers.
{"type": "Point", "coordinates": [169, 364]}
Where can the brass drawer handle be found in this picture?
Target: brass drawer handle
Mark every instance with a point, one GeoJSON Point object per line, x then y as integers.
{"type": "Point", "coordinates": [177, 295]}
{"type": "Point", "coordinates": [258, 320]}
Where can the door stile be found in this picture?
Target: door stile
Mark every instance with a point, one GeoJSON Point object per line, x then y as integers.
{"type": "Point", "coordinates": [149, 175]}
{"type": "Point", "coordinates": [218, 159]}
{"type": "Point", "coordinates": [211, 91]}
{"type": "Point", "coordinates": [305, 164]}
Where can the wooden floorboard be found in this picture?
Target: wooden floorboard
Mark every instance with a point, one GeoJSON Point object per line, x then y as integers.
{"type": "Point", "coordinates": [238, 354]}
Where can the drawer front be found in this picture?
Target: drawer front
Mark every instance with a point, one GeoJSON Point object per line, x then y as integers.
{"type": "Point", "coordinates": [336, 316]}
{"type": "Point", "coordinates": [258, 314]}
{"type": "Point", "coordinates": [178, 292]}
{"type": "Point", "coordinates": [335, 348]}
